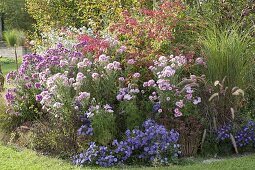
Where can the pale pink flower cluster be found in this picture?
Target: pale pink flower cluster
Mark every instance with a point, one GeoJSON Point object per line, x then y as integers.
{"type": "Point", "coordinates": [131, 61]}
{"type": "Point", "coordinates": [165, 69]}
{"type": "Point", "coordinates": [168, 71]}
{"type": "Point", "coordinates": [127, 93]}
{"type": "Point", "coordinates": [150, 83]}
{"type": "Point", "coordinates": [108, 108]}
{"type": "Point", "coordinates": [180, 104]}
{"type": "Point", "coordinates": [85, 63]}
{"type": "Point", "coordinates": [136, 75]}
{"type": "Point", "coordinates": [122, 49]}
{"type": "Point", "coordinates": [154, 97]}
{"type": "Point", "coordinates": [63, 63]}
{"type": "Point", "coordinates": [103, 58]}
{"type": "Point", "coordinates": [51, 82]}
{"type": "Point", "coordinates": [83, 96]}
{"type": "Point", "coordinates": [46, 98]}
{"type": "Point", "coordinates": [58, 105]}
{"type": "Point", "coordinates": [95, 76]}
{"type": "Point", "coordinates": [164, 85]}
{"type": "Point", "coordinates": [115, 65]}
{"type": "Point", "coordinates": [177, 112]}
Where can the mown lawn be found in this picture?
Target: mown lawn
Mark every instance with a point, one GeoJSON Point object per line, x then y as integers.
{"type": "Point", "coordinates": [12, 158]}
{"type": "Point", "coordinates": [8, 64]}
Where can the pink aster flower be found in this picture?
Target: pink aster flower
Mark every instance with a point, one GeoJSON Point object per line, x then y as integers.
{"type": "Point", "coordinates": [136, 75]}
{"type": "Point", "coordinates": [95, 75]}
{"type": "Point", "coordinates": [199, 61]}
{"type": "Point", "coordinates": [122, 49]}
{"type": "Point", "coordinates": [131, 61]}
{"type": "Point", "coordinates": [180, 104]}
{"type": "Point", "coordinates": [145, 84]}
{"type": "Point", "coordinates": [83, 95]}
{"type": "Point", "coordinates": [121, 79]}
{"type": "Point", "coordinates": [189, 90]}
{"type": "Point", "coordinates": [103, 58]}
{"type": "Point", "coordinates": [80, 76]}
{"type": "Point", "coordinates": [151, 83]}
{"type": "Point", "coordinates": [177, 112]}
{"type": "Point", "coordinates": [197, 100]}
{"type": "Point", "coordinates": [189, 96]}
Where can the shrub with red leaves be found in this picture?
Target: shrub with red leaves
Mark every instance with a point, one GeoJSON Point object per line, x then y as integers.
{"type": "Point", "coordinates": [150, 32]}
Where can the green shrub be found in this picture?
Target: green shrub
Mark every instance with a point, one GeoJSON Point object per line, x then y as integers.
{"type": "Point", "coordinates": [104, 127]}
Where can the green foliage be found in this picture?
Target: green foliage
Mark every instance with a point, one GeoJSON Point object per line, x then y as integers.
{"type": "Point", "coordinates": [134, 116]}
{"type": "Point", "coordinates": [89, 13]}
{"type": "Point", "coordinates": [104, 128]}
{"type": "Point", "coordinates": [15, 15]}
{"type": "Point", "coordinates": [2, 110]}
{"type": "Point", "coordinates": [225, 12]}
{"type": "Point", "coordinates": [14, 37]}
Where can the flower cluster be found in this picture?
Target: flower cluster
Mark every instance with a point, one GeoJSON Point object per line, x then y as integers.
{"type": "Point", "coordinates": [86, 129]}
{"type": "Point", "coordinates": [246, 136]}
{"type": "Point", "coordinates": [224, 132]}
{"type": "Point", "coordinates": [154, 142]}
{"type": "Point", "coordinates": [169, 96]}
{"type": "Point", "coordinates": [68, 37]}
{"type": "Point", "coordinates": [126, 94]}
{"type": "Point", "coordinates": [243, 137]}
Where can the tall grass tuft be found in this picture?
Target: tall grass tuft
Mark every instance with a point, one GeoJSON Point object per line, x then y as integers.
{"type": "Point", "coordinates": [14, 37]}
{"type": "Point", "coordinates": [228, 54]}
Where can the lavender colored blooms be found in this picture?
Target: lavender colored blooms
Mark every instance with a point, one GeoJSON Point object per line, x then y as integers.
{"type": "Point", "coordinates": [83, 95]}
{"type": "Point", "coordinates": [122, 49]}
{"type": "Point", "coordinates": [244, 136]}
{"type": "Point", "coordinates": [9, 96]}
{"type": "Point", "coordinates": [136, 75]}
{"type": "Point", "coordinates": [154, 142]}
{"type": "Point", "coordinates": [224, 132]}
{"type": "Point", "coordinates": [156, 107]}
{"type": "Point", "coordinates": [38, 97]}
{"type": "Point", "coordinates": [86, 129]}
{"type": "Point", "coordinates": [37, 85]}
{"type": "Point", "coordinates": [11, 75]}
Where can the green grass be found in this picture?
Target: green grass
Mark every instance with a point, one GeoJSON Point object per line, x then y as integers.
{"type": "Point", "coordinates": [12, 158]}
{"type": "Point", "coordinates": [8, 64]}
{"type": "Point", "coordinates": [229, 54]}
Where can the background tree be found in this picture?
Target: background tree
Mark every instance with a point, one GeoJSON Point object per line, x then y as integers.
{"type": "Point", "coordinates": [90, 13]}
{"type": "Point", "coordinates": [16, 16]}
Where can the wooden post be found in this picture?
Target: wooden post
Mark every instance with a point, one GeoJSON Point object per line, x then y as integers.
{"type": "Point", "coordinates": [16, 57]}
